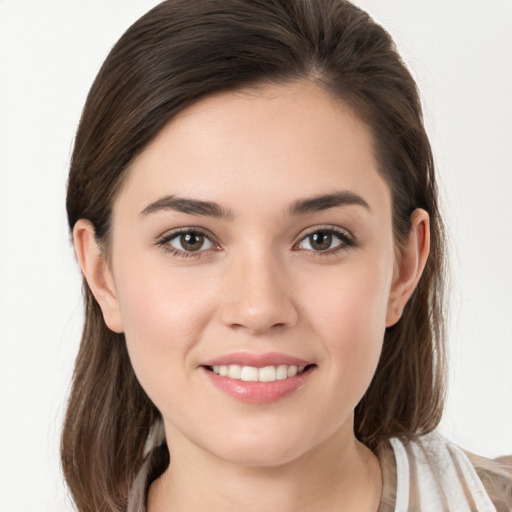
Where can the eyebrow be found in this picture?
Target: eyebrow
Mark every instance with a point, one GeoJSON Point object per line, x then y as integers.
{"type": "Point", "coordinates": [212, 209]}
{"type": "Point", "coordinates": [326, 201]}
{"type": "Point", "coordinates": [191, 206]}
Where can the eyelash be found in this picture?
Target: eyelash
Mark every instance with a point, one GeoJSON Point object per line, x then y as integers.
{"type": "Point", "coordinates": [345, 238]}
{"type": "Point", "coordinates": [165, 240]}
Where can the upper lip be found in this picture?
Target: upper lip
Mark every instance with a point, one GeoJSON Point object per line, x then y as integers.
{"type": "Point", "coordinates": [256, 360]}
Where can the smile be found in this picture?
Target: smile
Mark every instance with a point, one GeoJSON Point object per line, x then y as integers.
{"type": "Point", "coordinates": [254, 374]}
{"type": "Point", "coordinates": [258, 378]}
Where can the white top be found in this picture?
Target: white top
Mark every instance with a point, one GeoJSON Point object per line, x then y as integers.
{"type": "Point", "coordinates": [432, 475]}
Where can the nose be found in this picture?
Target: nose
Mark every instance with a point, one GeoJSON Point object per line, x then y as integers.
{"type": "Point", "coordinates": [258, 296]}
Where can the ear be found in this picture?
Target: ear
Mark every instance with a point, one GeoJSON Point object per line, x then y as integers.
{"type": "Point", "coordinates": [409, 265]}
{"type": "Point", "coordinates": [97, 273]}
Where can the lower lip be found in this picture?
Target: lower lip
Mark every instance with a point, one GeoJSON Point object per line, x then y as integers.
{"type": "Point", "coordinates": [258, 392]}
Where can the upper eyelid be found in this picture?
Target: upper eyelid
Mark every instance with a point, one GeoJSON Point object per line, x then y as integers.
{"type": "Point", "coordinates": [333, 229]}
{"type": "Point", "coordinates": [172, 233]}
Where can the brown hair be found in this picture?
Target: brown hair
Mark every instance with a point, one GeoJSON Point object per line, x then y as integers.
{"type": "Point", "coordinates": [178, 53]}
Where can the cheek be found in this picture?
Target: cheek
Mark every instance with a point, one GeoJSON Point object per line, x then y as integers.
{"type": "Point", "coordinates": [348, 310]}
{"type": "Point", "coordinates": [352, 299]}
{"type": "Point", "coordinates": [163, 315]}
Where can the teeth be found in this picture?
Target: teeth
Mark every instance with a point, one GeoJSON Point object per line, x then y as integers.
{"type": "Point", "coordinates": [252, 374]}
{"type": "Point", "coordinates": [234, 371]}
{"type": "Point", "coordinates": [249, 374]}
{"type": "Point", "coordinates": [267, 374]}
{"type": "Point", "coordinates": [282, 372]}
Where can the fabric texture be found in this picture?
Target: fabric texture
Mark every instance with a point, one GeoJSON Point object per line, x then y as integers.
{"type": "Point", "coordinates": [431, 475]}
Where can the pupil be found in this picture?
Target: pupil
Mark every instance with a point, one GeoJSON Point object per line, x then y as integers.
{"type": "Point", "coordinates": [192, 241]}
{"type": "Point", "coordinates": [321, 241]}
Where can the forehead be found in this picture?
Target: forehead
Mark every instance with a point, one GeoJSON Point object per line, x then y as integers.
{"type": "Point", "coordinates": [256, 148]}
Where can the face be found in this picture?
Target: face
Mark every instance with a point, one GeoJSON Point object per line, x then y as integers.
{"type": "Point", "coordinates": [252, 266]}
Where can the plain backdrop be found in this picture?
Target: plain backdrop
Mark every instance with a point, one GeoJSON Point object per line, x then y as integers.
{"type": "Point", "coordinates": [459, 51]}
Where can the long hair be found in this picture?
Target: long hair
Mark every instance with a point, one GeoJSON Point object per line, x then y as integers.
{"type": "Point", "coordinates": [175, 55]}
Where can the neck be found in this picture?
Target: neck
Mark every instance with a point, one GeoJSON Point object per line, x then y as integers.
{"type": "Point", "coordinates": [340, 474]}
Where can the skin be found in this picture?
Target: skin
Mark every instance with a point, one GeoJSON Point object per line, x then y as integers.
{"type": "Point", "coordinates": [259, 286]}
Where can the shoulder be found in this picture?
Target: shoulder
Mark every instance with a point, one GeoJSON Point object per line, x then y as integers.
{"type": "Point", "coordinates": [496, 476]}
{"type": "Point", "coordinates": [441, 474]}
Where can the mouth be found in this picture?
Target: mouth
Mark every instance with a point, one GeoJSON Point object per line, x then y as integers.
{"type": "Point", "coordinates": [258, 378]}
{"type": "Point", "coordinates": [263, 374]}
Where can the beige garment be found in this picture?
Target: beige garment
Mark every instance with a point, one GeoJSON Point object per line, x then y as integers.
{"type": "Point", "coordinates": [426, 475]}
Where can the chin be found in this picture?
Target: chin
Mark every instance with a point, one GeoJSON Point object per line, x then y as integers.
{"type": "Point", "coordinates": [264, 447]}
{"type": "Point", "coordinates": [259, 455]}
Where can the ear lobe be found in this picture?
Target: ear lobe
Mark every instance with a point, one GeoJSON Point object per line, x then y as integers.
{"type": "Point", "coordinates": [97, 273]}
{"type": "Point", "coordinates": [409, 265]}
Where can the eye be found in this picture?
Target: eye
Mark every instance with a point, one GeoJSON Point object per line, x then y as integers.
{"type": "Point", "coordinates": [187, 242]}
{"type": "Point", "coordinates": [190, 241]}
{"type": "Point", "coordinates": [325, 240]}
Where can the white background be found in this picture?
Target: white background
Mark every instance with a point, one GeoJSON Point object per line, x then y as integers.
{"type": "Point", "coordinates": [461, 55]}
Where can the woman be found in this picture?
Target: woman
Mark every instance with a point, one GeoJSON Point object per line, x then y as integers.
{"type": "Point", "coordinates": [254, 209]}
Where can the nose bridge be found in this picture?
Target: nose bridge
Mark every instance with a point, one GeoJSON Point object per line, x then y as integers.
{"type": "Point", "coordinates": [258, 295]}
